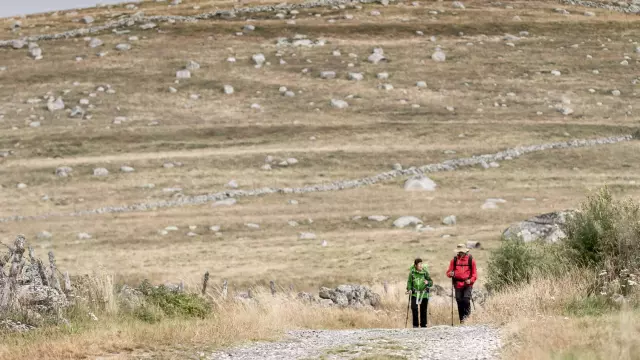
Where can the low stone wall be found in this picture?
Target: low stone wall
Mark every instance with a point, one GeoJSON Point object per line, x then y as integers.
{"type": "Point", "coordinates": [449, 165]}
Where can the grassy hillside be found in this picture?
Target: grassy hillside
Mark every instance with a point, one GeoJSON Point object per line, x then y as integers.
{"type": "Point", "coordinates": [496, 90]}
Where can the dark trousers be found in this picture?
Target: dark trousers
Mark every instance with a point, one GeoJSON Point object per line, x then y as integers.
{"type": "Point", "coordinates": [423, 312]}
{"type": "Point", "coordinates": [463, 298]}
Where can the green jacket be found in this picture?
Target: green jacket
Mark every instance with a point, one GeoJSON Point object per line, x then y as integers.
{"type": "Point", "coordinates": [416, 281]}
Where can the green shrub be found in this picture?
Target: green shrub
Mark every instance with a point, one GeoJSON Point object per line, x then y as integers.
{"type": "Point", "coordinates": [161, 301]}
{"type": "Point", "coordinates": [517, 262]}
{"type": "Point", "coordinates": [605, 236]}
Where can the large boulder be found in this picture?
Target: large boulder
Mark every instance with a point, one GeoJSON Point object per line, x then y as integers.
{"type": "Point", "coordinates": [350, 296]}
{"type": "Point", "coordinates": [546, 227]}
{"type": "Point", "coordinates": [422, 183]}
{"type": "Point", "coordinates": [30, 287]}
{"type": "Point", "coordinates": [40, 298]}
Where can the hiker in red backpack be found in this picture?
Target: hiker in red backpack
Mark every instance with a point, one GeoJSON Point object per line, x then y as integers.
{"type": "Point", "coordinates": [462, 271]}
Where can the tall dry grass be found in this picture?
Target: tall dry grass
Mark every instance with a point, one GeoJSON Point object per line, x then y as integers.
{"type": "Point", "coordinates": [264, 317]}
{"type": "Point", "coordinates": [534, 318]}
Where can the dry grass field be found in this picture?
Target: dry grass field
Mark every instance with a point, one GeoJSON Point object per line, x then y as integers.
{"type": "Point", "coordinates": [502, 96]}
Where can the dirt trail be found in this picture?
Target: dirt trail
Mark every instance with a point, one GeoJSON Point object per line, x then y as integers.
{"type": "Point", "coordinates": [438, 342]}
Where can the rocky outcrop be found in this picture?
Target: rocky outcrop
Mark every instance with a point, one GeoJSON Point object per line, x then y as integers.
{"type": "Point", "coordinates": [546, 227]}
{"type": "Point", "coordinates": [28, 287]}
{"type": "Point", "coordinates": [355, 296]}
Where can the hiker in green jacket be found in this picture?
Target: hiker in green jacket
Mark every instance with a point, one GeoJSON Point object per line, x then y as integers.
{"type": "Point", "coordinates": [418, 286]}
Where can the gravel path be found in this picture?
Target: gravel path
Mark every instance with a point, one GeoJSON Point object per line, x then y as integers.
{"type": "Point", "coordinates": [438, 342]}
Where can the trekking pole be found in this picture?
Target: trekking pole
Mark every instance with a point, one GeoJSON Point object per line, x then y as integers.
{"type": "Point", "coordinates": [452, 294]}
{"type": "Point", "coordinates": [406, 322]}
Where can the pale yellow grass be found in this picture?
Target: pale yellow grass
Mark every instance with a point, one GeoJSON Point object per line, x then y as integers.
{"type": "Point", "coordinates": [264, 318]}
{"type": "Point", "coordinates": [532, 317]}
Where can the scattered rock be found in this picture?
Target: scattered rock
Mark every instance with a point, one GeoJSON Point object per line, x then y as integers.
{"type": "Point", "coordinates": [100, 172]}
{"type": "Point", "coordinates": [421, 84]}
{"type": "Point", "coordinates": [258, 59]}
{"type": "Point", "coordinates": [63, 171]}
{"type": "Point", "coordinates": [252, 226]}
{"type": "Point", "coordinates": [95, 42]}
{"type": "Point", "coordinates": [119, 120]}
{"type": "Point", "coordinates": [228, 89]}
{"type": "Point", "coordinates": [76, 112]}
{"type": "Point", "coordinates": [356, 76]}
{"type": "Point", "coordinates": [183, 74]}
{"type": "Point", "coordinates": [377, 56]}
{"type": "Point", "coordinates": [83, 236]}
{"type": "Point", "coordinates": [404, 221]}
{"type": "Point", "coordinates": [439, 56]}
{"type": "Point", "coordinates": [17, 44]}
{"type": "Point", "coordinates": [449, 220]}
{"type": "Point", "coordinates": [35, 53]}
{"type": "Point", "coordinates": [44, 235]}
{"type": "Point", "coordinates": [378, 218]}
{"type": "Point", "coordinates": [458, 5]}
{"type": "Point", "coordinates": [192, 65]}
{"type": "Point", "coordinates": [339, 104]}
{"type": "Point", "coordinates": [127, 169]}
{"type": "Point", "coordinates": [123, 47]}
{"type": "Point", "coordinates": [422, 183]}
{"type": "Point", "coordinates": [88, 19]}
{"type": "Point", "coordinates": [55, 105]}
{"type": "Point", "coordinates": [328, 74]}
{"type": "Point", "coordinates": [491, 204]}
{"type": "Point", "coordinates": [306, 236]}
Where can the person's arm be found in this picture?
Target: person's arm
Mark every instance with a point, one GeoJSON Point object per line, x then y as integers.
{"type": "Point", "coordinates": [450, 269]}
{"type": "Point", "coordinates": [474, 272]}
{"type": "Point", "coordinates": [409, 282]}
{"type": "Point", "coordinates": [427, 277]}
